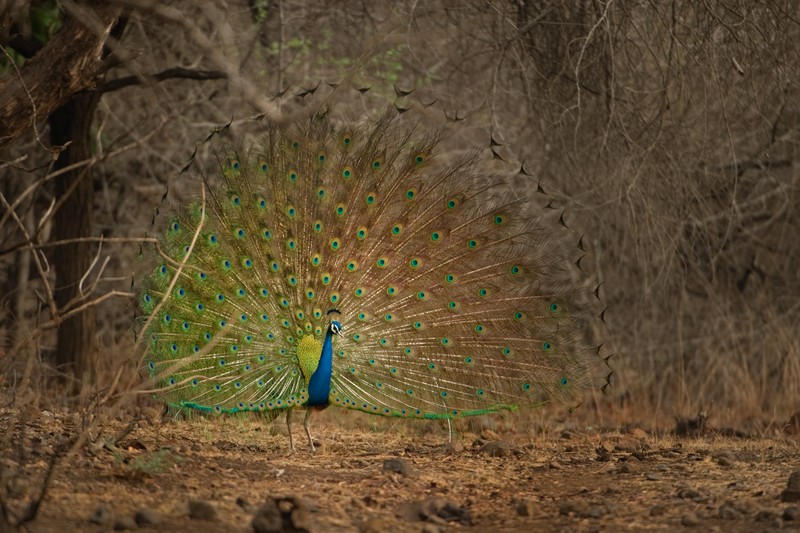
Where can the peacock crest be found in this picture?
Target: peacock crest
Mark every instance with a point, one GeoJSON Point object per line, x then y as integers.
{"type": "Point", "coordinates": [355, 263]}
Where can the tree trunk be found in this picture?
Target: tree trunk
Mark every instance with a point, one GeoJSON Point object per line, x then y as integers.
{"type": "Point", "coordinates": [76, 351]}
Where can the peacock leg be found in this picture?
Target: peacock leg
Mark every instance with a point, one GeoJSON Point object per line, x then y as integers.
{"type": "Point", "coordinates": [308, 432]}
{"type": "Point", "coordinates": [289, 427]}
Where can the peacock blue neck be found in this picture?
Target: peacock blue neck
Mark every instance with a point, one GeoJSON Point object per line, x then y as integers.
{"type": "Point", "coordinates": [319, 386]}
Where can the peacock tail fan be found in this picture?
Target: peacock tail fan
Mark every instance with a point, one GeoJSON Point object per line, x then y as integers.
{"type": "Point", "coordinates": [453, 299]}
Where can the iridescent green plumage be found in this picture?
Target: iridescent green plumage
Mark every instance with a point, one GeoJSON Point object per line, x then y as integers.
{"type": "Point", "coordinates": [452, 301]}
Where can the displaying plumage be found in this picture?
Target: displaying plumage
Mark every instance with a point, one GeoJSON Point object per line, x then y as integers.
{"type": "Point", "coordinates": [353, 263]}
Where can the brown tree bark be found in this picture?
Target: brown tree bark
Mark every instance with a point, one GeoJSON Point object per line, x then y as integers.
{"type": "Point", "coordinates": [71, 123]}
{"type": "Point", "coordinates": [72, 61]}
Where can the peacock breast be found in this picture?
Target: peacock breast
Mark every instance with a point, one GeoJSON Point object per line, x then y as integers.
{"type": "Point", "coordinates": [309, 352]}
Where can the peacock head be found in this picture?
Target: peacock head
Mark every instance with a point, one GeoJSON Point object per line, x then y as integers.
{"type": "Point", "coordinates": [336, 327]}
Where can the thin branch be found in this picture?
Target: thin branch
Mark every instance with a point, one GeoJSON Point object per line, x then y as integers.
{"type": "Point", "coordinates": [170, 73]}
{"type": "Point", "coordinates": [51, 303]}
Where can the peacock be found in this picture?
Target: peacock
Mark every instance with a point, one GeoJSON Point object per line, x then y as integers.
{"type": "Point", "coordinates": [353, 261]}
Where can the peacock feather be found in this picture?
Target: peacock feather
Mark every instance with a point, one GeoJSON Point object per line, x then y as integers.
{"type": "Point", "coordinates": [355, 264]}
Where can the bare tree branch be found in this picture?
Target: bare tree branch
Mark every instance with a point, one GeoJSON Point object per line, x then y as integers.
{"type": "Point", "coordinates": [171, 73]}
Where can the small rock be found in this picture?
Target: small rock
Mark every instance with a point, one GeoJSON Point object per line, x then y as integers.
{"type": "Point", "coordinates": [527, 508]}
{"type": "Point", "coordinates": [498, 448]}
{"type": "Point", "coordinates": [201, 510]}
{"type": "Point", "coordinates": [567, 435]}
{"type": "Point", "coordinates": [792, 491]}
{"type": "Point", "coordinates": [100, 516]}
{"type": "Point", "coordinates": [791, 514]}
{"type": "Point", "coordinates": [652, 476]}
{"type": "Point", "coordinates": [397, 466]}
{"type": "Point", "coordinates": [690, 520]}
{"type": "Point", "coordinates": [555, 465]}
{"type": "Point", "coordinates": [124, 523]}
{"type": "Point", "coordinates": [429, 528]}
{"type": "Point", "coordinates": [146, 517]}
{"type": "Point", "coordinates": [242, 502]}
{"type": "Point", "coordinates": [577, 507]}
{"type": "Point", "coordinates": [268, 518]}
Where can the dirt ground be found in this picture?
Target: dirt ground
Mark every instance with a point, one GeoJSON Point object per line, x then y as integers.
{"type": "Point", "coordinates": [218, 474]}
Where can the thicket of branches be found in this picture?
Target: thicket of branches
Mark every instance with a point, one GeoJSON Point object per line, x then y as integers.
{"type": "Point", "coordinates": [668, 130]}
